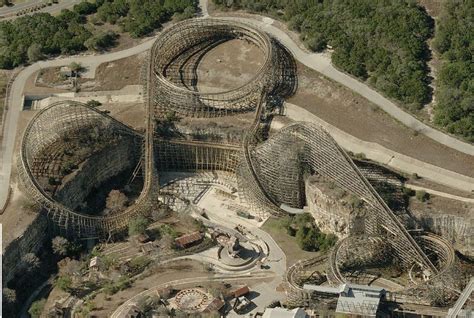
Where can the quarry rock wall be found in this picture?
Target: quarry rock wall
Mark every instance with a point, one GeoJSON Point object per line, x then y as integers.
{"type": "Point", "coordinates": [457, 229]}
{"type": "Point", "coordinates": [31, 241]}
{"type": "Point", "coordinates": [99, 167]}
{"type": "Point", "coordinates": [329, 214]}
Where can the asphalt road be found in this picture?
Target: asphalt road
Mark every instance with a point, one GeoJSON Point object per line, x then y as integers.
{"type": "Point", "coordinates": [317, 62]}
{"type": "Point", "coordinates": [384, 155]}
{"type": "Point", "coordinates": [15, 103]}
{"type": "Point", "coordinates": [11, 11]}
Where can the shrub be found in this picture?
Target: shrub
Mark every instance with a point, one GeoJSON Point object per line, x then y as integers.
{"type": "Point", "coordinates": [64, 283]}
{"type": "Point", "coordinates": [138, 264]}
{"type": "Point", "coordinates": [408, 192]}
{"type": "Point", "coordinates": [138, 225]}
{"type": "Point", "coordinates": [60, 245]}
{"type": "Point", "coordinates": [93, 103]}
{"type": "Point", "coordinates": [36, 308]}
{"type": "Point", "coordinates": [422, 195]}
{"type": "Point", "coordinates": [30, 262]}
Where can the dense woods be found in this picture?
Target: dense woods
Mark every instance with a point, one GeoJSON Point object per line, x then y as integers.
{"type": "Point", "coordinates": [383, 42]}
{"type": "Point", "coordinates": [454, 40]}
{"type": "Point", "coordinates": [30, 38]}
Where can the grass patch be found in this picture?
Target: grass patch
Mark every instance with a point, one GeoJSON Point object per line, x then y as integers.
{"type": "Point", "coordinates": [286, 242]}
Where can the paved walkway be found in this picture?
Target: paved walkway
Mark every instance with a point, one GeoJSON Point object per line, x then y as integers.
{"type": "Point", "coordinates": [322, 64]}
{"type": "Point", "coordinates": [439, 193]}
{"type": "Point", "coordinates": [315, 61]}
{"type": "Point", "coordinates": [15, 103]}
{"type": "Point", "coordinates": [9, 12]}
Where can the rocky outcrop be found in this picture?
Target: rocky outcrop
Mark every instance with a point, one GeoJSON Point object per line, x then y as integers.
{"type": "Point", "coordinates": [457, 229]}
{"type": "Point", "coordinates": [31, 241]}
{"type": "Point", "coordinates": [98, 168]}
{"type": "Point", "coordinates": [334, 210]}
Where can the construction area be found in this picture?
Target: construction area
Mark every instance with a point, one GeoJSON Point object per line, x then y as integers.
{"type": "Point", "coordinates": [211, 151]}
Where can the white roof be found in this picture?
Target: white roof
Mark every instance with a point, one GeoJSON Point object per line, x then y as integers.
{"type": "Point", "coordinates": [284, 313]}
{"type": "Point", "coordinates": [324, 289]}
{"type": "Point", "coordinates": [359, 299]}
{"type": "Point", "coordinates": [343, 288]}
{"type": "Point", "coordinates": [94, 261]}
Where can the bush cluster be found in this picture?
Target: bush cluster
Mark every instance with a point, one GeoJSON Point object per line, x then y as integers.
{"type": "Point", "coordinates": [454, 109]}
{"type": "Point", "coordinates": [307, 234]}
{"type": "Point", "coordinates": [30, 38]}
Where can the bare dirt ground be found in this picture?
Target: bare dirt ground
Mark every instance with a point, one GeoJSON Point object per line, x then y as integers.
{"type": "Point", "coordinates": [108, 76]}
{"type": "Point", "coordinates": [438, 187]}
{"type": "Point", "coordinates": [355, 115]}
{"type": "Point", "coordinates": [19, 213]}
{"type": "Point", "coordinates": [33, 89]}
{"type": "Point", "coordinates": [229, 65]}
{"type": "Point", "coordinates": [437, 205]}
{"type": "Point", "coordinates": [433, 7]}
{"type": "Point", "coordinates": [117, 74]}
{"type": "Point", "coordinates": [132, 115]}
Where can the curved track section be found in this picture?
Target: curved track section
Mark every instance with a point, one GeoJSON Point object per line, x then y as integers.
{"type": "Point", "coordinates": [62, 120]}
{"type": "Point", "coordinates": [441, 252]}
{"type": "Point", "coordinates": [177, 52]}
{"type": "Point", "coordinates": [317, 152]}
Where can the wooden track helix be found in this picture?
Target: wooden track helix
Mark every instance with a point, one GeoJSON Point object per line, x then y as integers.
{"type": "Point", "coordinates": [318, 151]}
{"type": "Point", "coordinates": [49, 125]}
{"type": "Point", "coordinates": [265, 182]}
{"type": "Point", "coordinates": [414, 293]}
{"type": "Point", "coordinates": [174, 58]}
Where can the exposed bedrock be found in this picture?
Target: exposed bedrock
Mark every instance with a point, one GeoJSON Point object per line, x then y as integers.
{"type": "Point", "coordinates": [31, 241]}
{"type": "Point", "coordinates": [334, 210]}
{"type": "Point", "coordinates": [457, 229]}
{"type": "Point", "coordinates": [95, 170]}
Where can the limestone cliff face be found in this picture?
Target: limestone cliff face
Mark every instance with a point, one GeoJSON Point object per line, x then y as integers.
{"type": "Point", "coordinates": [31, 241]}
{"type": "Point", "coordinates": [332, 209]}
{"type": "Point", "coordinates": [99, 167]}
{"type": "Point", "coordinates": [458, 229]}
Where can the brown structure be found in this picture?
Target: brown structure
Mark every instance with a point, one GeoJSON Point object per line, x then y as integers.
{"type": "Point", "coordinates": [188, 240]}
{"type": "Point", "coordinates": [271, 172]}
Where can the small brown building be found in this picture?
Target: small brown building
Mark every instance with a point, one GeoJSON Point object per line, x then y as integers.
{"type": "Point", "coordinates": [188, 240]}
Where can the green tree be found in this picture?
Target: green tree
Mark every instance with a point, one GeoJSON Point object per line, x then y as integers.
{"type": "Point", "coordinates": [75, 67]}
{"type": "Point", "coordinates": [64, 282]}
{"type": "Point", "coordinates": [34, 53]}
{"type": "Point", "coordinates": [138, 225]}
{"type": "Point", "coordinates": [101, 41]}
{"type": "Point", "coordinates": [422, 195]}
{"type": "Point", "coordinates": [9, 295]}
{"type": "Point", "coordinates": [60, 245]}
{"type": "Point", "coordinates": [36, 308]}
{"type": "Point", "coordinates": [30, 262]}
{"type": "Point", "coordinates": [454, 108]}
{"type": "Point", "coordinates": [93, 103]}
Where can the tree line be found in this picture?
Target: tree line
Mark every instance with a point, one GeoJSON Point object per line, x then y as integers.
{"type": "Point", "coordinates": [31, 38]}
{"type": "Point", "coordinates": [454, 39]}
{"type": "Point", "coordinates": [381, 41]}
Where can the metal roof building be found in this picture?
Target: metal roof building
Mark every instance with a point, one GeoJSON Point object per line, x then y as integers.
{"type": "Point", "coordinates": [284, 313]}
{"type": "Point", "coordinates": [353, 299]}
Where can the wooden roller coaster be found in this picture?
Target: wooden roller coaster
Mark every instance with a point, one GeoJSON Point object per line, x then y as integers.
{"type": "Point", "coordinates": [268, 185]}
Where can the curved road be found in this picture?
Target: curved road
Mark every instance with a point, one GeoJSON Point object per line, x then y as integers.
{"type": "Point", "coordinates": [315, 61]}
{"type": "Point", "coordinates": [322, 64]}
{"type": "Point", "coordinates": [9, 12]}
